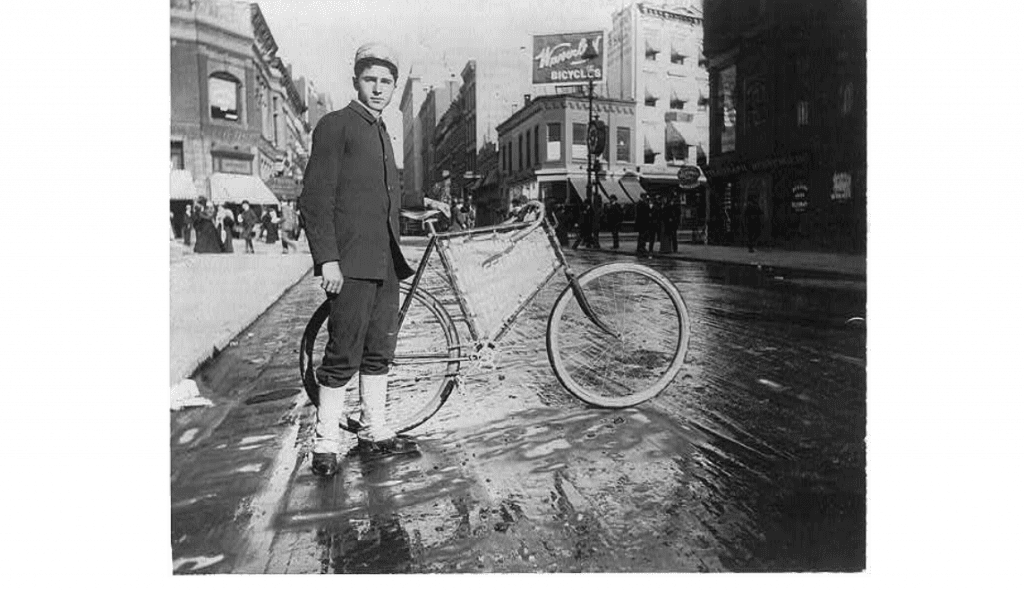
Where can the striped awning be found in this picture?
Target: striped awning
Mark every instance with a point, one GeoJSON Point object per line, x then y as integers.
{"type": "Point", "coordinates": [580, 185]}
{"type": "Point", "coordinates": [631, 188]}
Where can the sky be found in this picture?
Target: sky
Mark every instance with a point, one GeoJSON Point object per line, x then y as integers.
{"type": "Point", "coordinates": [319, 38]}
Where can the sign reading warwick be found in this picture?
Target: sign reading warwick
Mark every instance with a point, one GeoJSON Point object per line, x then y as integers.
{"type": "Point", "coordinates": [558, 59]}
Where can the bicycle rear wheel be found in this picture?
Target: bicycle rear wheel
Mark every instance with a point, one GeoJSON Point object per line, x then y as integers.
{"type": "Point", "coordinates": [653, 330]}
{"type": "Point", "coordinates": [422, 374]}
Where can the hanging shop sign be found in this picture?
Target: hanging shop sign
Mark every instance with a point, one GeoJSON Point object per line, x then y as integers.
{"type": "Point", "coordinates": [597, 136]}
{"type": "Point", "coordinates": [558, 58]}
{"type": "Point", "coordinates": [842, 186]}
{"type": "Point", "coordinates": [799, 202]}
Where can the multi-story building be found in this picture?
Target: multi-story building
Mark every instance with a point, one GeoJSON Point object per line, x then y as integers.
{"type": "Point", "coordinates": [493, 88]}
{"type": "Point", "coordinates": [318, 103]}
{"type": "Point", "coordinates": [236, 116]}
{"type": "Point", "coordinates": [788, 86]}
{"type": "Point", "coordinates": [543, 150]}
{"type": "Point", "coordinates": [655, 61]}
{"type": "Point", "coordinates": [284, 148]}
{"type": "Point", "coordinates": [434, 106]}
{"type": "Point", "coordinates": [413, 95]}
{"type": "Point", "coordinates": [215, 117]}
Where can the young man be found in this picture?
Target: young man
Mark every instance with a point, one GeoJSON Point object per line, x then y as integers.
{"type": "Point", "coordinates": [249, 220]}
{"type": "Point", "coordinates": [350, 201]}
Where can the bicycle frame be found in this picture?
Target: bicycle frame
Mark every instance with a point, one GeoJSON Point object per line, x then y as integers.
{"type": "Point", "coordinates": [452, 277]}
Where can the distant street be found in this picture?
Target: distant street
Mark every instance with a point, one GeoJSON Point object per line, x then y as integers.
{"type": "Point", "coordinates": [752, 460]}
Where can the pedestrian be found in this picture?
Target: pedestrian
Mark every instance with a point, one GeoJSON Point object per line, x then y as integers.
{"type": "Point", "coordinates": [586, 227]}
{"type": "Point", "coordinates": [287, 230]}
{"type": "Point", "coordinates": [654, 226]}
{"type": "Point", "coordinates": [752, 216]}
{"type": "Point", "coordinates": [675, 216]}
{"type": "Point", "coordinates": [186, 226]}
{"type": "Point", "coordinates": [270, 222]}
{"type": "Point", "coordinates": [643, 220]}
{"type": "Point", "coordinates": [596, 212]}
{"type": "Point", "coordinates": [350, 200]}
{"type": "Point", "coordinates": [248, 219]}
{"type": "Point", "coordinates": [227, 229]}
{"type": "Point", "coordinates": [614, 217]}
{"type": "Point", "coordinates": [207, 240]}
{"type": "Point", "coordinates": [668, 223]}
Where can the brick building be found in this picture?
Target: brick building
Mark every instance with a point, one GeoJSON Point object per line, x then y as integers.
{"type": "Point", "coordinates": [789, 125]}
{"type": "Point", "coordinates": [413, 94]}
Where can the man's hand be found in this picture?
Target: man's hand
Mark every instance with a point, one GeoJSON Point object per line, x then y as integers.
{"type": "Point", "coordinates": [331, 279]}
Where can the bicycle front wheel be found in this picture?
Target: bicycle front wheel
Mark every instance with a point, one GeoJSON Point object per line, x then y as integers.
{"type": "Point", "coordinates": [652, 331]}
{"type": "Point", "coordinates": [422, 375]}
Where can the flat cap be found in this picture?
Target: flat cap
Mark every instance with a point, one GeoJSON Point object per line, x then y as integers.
{"type": "Point", "coordinates": [377, 51]}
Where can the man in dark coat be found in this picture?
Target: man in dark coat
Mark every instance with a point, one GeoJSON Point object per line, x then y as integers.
{"type": "Point", "coordinates": [643, 221]}
{"type": "Point", "coordinates": [614, 217]}
{"type": "Point", "coordinates": [350, 200]}
{"type": "Point", "coordinates": [249, 220]}
{"type": "Point", "coordinates": [655, 226]}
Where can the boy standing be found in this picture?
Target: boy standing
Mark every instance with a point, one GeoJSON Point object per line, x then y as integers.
{"type": "Point", "coordinates": [350, 202]}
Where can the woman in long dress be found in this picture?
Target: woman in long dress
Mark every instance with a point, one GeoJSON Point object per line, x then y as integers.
{"type": "Point", "coordinates": [272, 226]}
{"type": "Point", "coordinates": [207, 239]}
{"type": "Point", "coordinates": [227, 225]}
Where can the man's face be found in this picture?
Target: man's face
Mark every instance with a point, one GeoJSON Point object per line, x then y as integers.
{"type": "Point", "coordinates": [375, 86]}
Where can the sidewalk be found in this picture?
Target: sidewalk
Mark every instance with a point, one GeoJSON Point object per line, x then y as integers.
{"type": "Point", "coordinates": [850, 266]}
{"type": "Point", "coordinates": [215, 296]}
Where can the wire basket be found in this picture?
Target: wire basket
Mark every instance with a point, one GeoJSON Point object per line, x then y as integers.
{"type": "Point", "coordinates": [497, 271]}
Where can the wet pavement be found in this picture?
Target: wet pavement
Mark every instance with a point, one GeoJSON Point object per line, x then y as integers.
{"type": "Point", "coordinates": [752, 460]}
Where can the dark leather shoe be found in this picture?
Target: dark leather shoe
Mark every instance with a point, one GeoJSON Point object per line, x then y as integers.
{"type": "Point", "coordinates": [325, 464]}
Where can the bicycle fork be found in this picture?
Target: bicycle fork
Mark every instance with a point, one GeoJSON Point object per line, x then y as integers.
{"type": "Point", "coordinates": [588, 311]}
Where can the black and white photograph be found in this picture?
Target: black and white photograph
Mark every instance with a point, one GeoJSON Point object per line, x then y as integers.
{"type": "Point", "coordinates": [535, 287]}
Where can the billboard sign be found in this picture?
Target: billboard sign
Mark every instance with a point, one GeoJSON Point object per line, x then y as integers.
{"type": "Point", "coordinates": [690, 177]}
{"type": "Point", "coordinates": [558, 58]}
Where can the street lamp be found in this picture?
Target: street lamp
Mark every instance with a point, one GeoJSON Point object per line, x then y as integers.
{"type": "Point", "coordinates": [589, 54]}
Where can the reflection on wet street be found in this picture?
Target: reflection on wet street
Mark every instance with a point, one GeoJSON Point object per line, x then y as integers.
{"type": "Point", "coordinates": [752, 460]}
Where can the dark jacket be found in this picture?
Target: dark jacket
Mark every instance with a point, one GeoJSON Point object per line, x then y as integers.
{"type": "Point", "coordinates": [350, 198]}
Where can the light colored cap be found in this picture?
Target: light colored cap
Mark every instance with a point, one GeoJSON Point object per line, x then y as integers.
{"type": "Point", "coordinates": [377, 51]}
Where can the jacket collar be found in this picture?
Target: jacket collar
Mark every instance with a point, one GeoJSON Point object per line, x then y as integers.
{"type": "Point", "coordinates": [364, 112]}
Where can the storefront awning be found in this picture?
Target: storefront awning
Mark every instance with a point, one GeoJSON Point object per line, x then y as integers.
{"type": "Point", "coordinates": [609, 188]}
{"type": "Point", "coordinates": [580, 185]}
{"type": "Point", "coordinates": [182, 186]}
{"type": "Point", "coordinates": [236, 188]}
{"type": "Point", "coordinates": [631, 188]}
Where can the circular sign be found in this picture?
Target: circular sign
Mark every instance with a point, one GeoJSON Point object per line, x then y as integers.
{"type": "Point", "coordinates": [597, 136]}
{"type": "Point", "coordinates": [689, 177]}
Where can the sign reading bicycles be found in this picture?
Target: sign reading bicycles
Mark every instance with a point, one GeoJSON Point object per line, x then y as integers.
{"type": "Point", "coordinates": [558, 58]}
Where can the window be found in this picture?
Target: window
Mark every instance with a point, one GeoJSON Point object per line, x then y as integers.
{"type": "Point", "coordinates": [847, 98]}
{"type": "Point", "coordinates": [536, 143]}
{"type": "Point", "coordinates": [520, 167]}
{"type": "Point", "coordinates": [652, 44]}
{"type": "Point", "coordinates": [676, 102]}
{"type": "Point", "coordinates": [177, 155]}
{"type": "Point", "coordinates": [623, 149]}
{"type": "Point", "coordinates": [756, 102]}
{"type": "Point", "coordinates": [225, 92]}
{"type": "Point", "coordinates": [678, 55]}
{"type": "Point", "coordinates": [554, 141]}
{"type": "Point", "coordinates": [528, 160]}
{"type": "Point", "coordinates": [579, 141]}
{"type": "Point", "coordinates": [650, 100]}
{"type": "Point", "coordinates": [702, 102]}
{"type": "Point", "coordinates": [803, 109]}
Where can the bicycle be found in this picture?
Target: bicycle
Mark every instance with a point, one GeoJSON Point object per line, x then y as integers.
{"type": "Point", "coordinates": [616, 336]}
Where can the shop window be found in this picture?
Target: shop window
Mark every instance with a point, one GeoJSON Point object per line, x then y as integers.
{"type": "Point", "coordinates": [579, 141]}
{"type": "Point", "coordinates": [554, 142]}
{"type": "Point", "coordinates": [177, 155]}
{"type": "Point", "coordinates": [623, 151]}
{"type": "Point", "coordinates": [225, 96]}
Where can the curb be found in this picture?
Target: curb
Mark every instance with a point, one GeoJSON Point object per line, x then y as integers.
{"type": "Point", "coordinates": [229, 335]}
{"type": "Point", "coordinates": [803, 272]}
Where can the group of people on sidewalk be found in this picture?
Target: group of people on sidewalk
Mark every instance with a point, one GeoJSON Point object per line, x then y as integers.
{"type": "Point", "coordinates": [215, 227]}
{"type": "Point", "coordinates": [657, 221]}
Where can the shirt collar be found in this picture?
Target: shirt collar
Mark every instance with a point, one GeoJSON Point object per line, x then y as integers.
{"type": "Point", "coordinates": [364, 111]}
